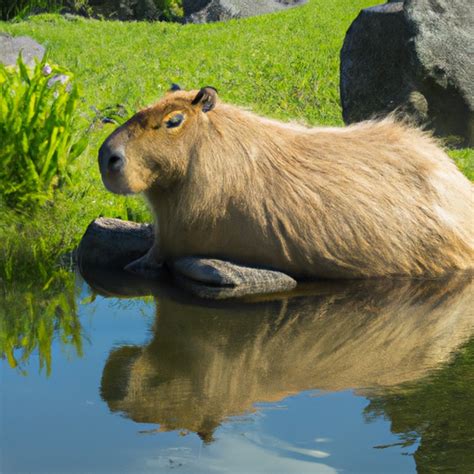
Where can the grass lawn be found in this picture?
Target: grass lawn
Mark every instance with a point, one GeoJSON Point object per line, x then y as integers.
{"type": "Point", "coordinates": [284, 65]}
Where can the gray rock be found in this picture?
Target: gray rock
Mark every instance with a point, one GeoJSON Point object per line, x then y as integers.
{"type": "Point", "coordinates": [205, 11]}
{"type": "Point", "coordinates": [443, 58]}
{"type": "Point", "coordinates": [114, 245]}
{"type": "Point", "coordinates": [414, 57]}
{"type": "Point", "coordinates": [374, 62]}
{"type": "Point", "coordinates": [218, 279]}
{"type": "Point", "coordinates": [11, 47]}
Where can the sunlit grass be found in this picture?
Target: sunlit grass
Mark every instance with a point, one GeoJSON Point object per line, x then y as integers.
{"type": "Point", "coordinates": [465, 161]}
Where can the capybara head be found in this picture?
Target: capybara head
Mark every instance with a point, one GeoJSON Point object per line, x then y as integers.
{"type": "Point", "coordinates": [153, 147]}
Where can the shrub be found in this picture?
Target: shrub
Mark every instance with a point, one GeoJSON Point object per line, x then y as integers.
{"type": "Point", "coordinates": [137, 9]}
{"type": "Point", "coordinates": [38, 132]}
{"type": "Point", "coordinates": [19, 8]}
{"type": "Point", "coordinates": [123, 9]}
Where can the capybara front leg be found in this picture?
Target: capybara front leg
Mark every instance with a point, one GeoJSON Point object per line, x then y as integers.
{"type": "Point", "coordinates": [147, 266]}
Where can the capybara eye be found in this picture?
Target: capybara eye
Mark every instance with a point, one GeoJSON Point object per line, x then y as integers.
{"type": "Point", "coordinates": [175, 121]}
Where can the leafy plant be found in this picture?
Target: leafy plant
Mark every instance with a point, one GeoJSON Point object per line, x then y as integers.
{"type": "Point", "coordinates": [38, 132]}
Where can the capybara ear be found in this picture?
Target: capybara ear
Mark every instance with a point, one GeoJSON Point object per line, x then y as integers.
{"type": "Point", "coordinates": [207, 96]}
{"type": "Point", "coordinates": [174, 87]}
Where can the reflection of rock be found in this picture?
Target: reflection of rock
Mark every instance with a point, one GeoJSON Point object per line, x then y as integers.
{"type": "Point", "coordinates": [207, 362]}
{"type": "Point", "coordinates": [417, 49]}
{"type": "Point", "coordinates": [11, 47]}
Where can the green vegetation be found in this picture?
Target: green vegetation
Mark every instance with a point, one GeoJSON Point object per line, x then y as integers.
{"type": "Point", "coordinates": [124, 10]}
{"type": "Point", "coordinates": [17, 9]}
{"type": "Point", "coordinates": [284, 65]}
{"type": "Point", "coordinates": [38, 125]}
{"type": "Point", "coordinates": [465, 161]}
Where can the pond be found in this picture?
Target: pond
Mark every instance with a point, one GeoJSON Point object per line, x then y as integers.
{"type": "Point", "coordinates": [122, 376]}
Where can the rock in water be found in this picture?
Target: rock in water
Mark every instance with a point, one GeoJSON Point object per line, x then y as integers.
{"type": "Point", "coordinates": [114, 245]}
{"type": "Point", "coordinates": [11, 47]}
{"type": "Point", "coordinates": [414, 56]}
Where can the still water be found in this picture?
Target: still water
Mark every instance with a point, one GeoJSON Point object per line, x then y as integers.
{"type": "Point", "coordinates": [374, 377]}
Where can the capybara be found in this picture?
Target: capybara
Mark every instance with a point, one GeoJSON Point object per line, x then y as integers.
{"type": "Point", "coordinates": [379, 198]}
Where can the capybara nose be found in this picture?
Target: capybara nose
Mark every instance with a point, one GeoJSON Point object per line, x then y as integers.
{"type": "Point", "coordinates": [115, 163]}
{"type": "Point", "coordinates": [111, 159]}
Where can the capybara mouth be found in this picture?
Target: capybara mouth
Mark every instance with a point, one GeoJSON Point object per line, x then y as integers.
{"type": "Point", "coordinates": [116, 185]}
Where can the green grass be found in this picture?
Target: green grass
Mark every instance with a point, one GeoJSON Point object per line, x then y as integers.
{"type": "Point", "coordinates": [465, 161]}
{"type": "Point", "coordinates": [285, 65]}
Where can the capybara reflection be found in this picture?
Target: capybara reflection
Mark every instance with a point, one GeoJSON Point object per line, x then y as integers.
{"type": "Point", "coordinates": [373, 199]}
{"type": "Point", "coordinates": [207, 362]}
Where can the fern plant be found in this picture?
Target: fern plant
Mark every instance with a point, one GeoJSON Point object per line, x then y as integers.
{"type": "Point", "coordinates": [38, 132]}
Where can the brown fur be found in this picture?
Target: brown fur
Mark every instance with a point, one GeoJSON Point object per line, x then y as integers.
{"type": "Point", "coordinates": [374, 199]}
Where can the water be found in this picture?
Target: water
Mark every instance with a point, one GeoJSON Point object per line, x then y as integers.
{"type": "Point", "coordinates": [358, 378]}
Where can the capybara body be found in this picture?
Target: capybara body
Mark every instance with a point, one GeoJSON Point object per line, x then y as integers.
{"type": "Point", "coordinates": [379, 198]}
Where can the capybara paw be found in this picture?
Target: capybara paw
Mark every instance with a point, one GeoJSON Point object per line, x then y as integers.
{"type": "Point", "coordinates": [145, 266]}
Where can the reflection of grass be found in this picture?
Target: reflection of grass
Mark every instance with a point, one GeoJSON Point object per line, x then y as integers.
{"type": "Point", "coordinates": [438, 410]}
{"type": "Point", "coordinates": [30, 318]}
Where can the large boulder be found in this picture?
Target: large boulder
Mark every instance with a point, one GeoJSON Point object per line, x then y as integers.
{"type": "Point", "coordinates": [11, 47]}
{"type": "Point", "coordinates": [205, 11]}
{"type": "Point", "coordinates": [415, 57]}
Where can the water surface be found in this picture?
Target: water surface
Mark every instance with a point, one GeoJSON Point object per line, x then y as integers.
{"type": "Point", "coordinates": [128, 377]}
